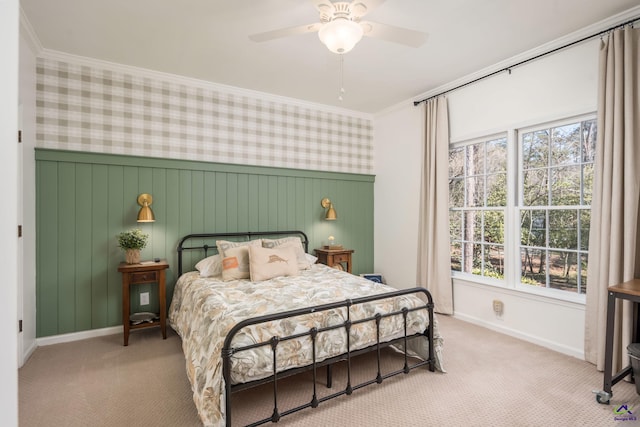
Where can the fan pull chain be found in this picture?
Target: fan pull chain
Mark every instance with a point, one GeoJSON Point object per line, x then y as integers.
{"type": "Point", "coordinates": [341, 91]}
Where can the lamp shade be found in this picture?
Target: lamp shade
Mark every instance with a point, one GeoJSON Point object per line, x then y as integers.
{"type": "Point", "coordinates": [145, 214]}
{"type": "Point", "coordinates": [340, 35]}
{"type": "Point", "coordinates": [331, 213]}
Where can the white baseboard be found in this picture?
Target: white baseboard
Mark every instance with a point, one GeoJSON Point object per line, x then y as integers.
{"type": "Point", "coordinates": [569, 351]}
{"type": "Point", "coordinates": [77, 336]}
{"type": "Point", "coordinates": [27, 353]}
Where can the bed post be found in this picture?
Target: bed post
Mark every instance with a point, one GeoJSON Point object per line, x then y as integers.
{"type": "Point", "coordinates": [226, 375]}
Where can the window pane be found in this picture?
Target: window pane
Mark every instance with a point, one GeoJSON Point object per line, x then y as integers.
{"type": "Point", "coordinates": [533, 228]}
{"type": "Point", "coordinates": [563, 229]}
{"type": "Point", "coordinates": [455, 225]}
{"type": "Point", "coordinates": [565, 186]}
{"type": "Point", "coordinates": [497, 155]}
{"type": "Point", "coordinates": [456, 193]}
{"type": "Point", "coordinates": [475, 191]}
{"type": "Point", "coordinates": [535, 192]}
{"type": "Point", "coordinates": [585, 223]}
{"type": "Point", "coordinates": [587, 184]}
{"type": "Point", "coordinates": [456, 163]}
{"type": "Point", "coordinates": [470, 220]}
{"type": "Point", "coordinates": [589, 141]}
{"type": "Point", "coordinates": [563, 271]}
{"type": "Point", "coordinates": [477, 227]}
{"type": "Point", "coordinates": [584, 258]}
{"type": "Point", "coordinates": [565, 144]}
{"type": "Point", "coordinates": [456, 257]}
{"type": "Point", "coordinates": [497, 190]}
{"type": "Point", "coordinates": [477, 259]}
{"type": "Point", "coordinates": [494, 227]}
{"type": "Point", "coordinates": [475, 159]}
{"type": "Point", "coordinates": [533, 263]}
{"type": "Point", "coordinates": [535, 149]}
{"type": "Point", "coordinates": [467, 257]}
{"type": "Point", "coordinates": [494, 261]}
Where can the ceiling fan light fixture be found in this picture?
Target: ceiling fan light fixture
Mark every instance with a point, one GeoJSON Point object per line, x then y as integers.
{"type": "Point", "coordinates": [340, 35]}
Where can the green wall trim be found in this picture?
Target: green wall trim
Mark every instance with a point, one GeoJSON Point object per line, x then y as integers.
{"type": "Point", "coordinates": [83, 200]}
{"type": "Point", "coordinates": [155, 162]}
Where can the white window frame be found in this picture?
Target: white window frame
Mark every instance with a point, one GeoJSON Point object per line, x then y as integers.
{"type": "Point", "coordinates": [513, 209]}
{"type": "Point", "coordinates": [464, 144]}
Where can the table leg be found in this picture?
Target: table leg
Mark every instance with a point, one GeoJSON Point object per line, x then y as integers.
{"type": "Point", "coordinates": [608, 351]}
{"type": "Point", "coordinates": [125, 308]}
{"type": "Point", "coordinates": [162, 294]}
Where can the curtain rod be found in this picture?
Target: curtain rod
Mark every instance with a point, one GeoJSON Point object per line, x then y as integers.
{"type": "Point", "coordinates": [416, 103]}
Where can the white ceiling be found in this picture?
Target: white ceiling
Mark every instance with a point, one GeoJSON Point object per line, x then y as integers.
{"type": "Point", "coordinates": [208, 40]}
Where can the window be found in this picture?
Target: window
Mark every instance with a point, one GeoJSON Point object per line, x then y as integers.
{"type": "Point", "coordinates": [550, 174]}
{"type": "Point", "coordinates": [555, 200]}
{"type": "Point", "coordinates": [477, 194]}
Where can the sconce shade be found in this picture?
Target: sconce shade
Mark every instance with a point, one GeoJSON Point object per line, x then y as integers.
{"type": "Point", "coordinates": [145, 214]}
{"type": "Point", "coordinates": [331, 214]}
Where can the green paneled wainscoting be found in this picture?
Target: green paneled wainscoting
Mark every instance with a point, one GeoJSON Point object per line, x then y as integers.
{"type": "Point", "coordinates": [83, 200]}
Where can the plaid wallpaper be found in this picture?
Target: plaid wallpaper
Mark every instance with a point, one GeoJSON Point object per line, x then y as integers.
{"type": "Point", "coordinates": [83, 108]}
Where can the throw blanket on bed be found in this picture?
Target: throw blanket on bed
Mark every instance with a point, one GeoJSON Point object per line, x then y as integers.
{"type": "Point", "coordinates": [204, 310]}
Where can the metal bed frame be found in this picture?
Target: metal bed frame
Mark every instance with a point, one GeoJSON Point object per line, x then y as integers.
{"type": "Point", "coordinates": [228, 350]}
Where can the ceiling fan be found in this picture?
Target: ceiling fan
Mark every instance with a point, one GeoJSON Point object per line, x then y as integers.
{"type": "Point", "coordinates": [341, 28]}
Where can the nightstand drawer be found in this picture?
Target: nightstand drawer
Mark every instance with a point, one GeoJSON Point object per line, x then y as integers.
{"type": "Point", "coordinates": [342, 258]}
{"type": "Point", "coordinates": [144, 277]}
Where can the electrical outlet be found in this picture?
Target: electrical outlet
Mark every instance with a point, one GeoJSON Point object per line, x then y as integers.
{"type": "Point", "coordinates": [498, 307]}
{"type": "Point", "coordinates": [144, 298]}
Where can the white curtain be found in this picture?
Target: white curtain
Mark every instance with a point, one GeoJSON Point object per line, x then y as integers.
{"type": "Point", "coordinates": [434, 261]}
{"type": "Point", "coordinates": [614, 209]}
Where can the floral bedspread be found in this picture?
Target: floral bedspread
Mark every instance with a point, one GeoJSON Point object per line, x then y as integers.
{"type": "Point", "coordinates": [204, 310]}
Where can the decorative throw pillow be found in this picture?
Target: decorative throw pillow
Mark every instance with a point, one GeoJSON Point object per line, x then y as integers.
{"type": "Point", "coordinates": [223, 245]}
{"type": "Point", "coordinates": [235, 265]}
{"type": "Point", "coordinates": [293, 242]}
{"type": "Point", "coordinates": [210, 266]}
{"type": "Point", "coordinates": [267, 263]}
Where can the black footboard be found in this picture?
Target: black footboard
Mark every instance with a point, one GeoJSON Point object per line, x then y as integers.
{"type": "Point", "coordinates": [228, 351]}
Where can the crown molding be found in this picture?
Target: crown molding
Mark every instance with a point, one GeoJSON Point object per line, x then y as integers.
{"type": "Point", "coordinates": [27, 31]}
{"type": "Point", "coordinates": [193, 82]}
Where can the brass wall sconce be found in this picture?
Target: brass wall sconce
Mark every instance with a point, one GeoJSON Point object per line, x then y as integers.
{"type": "Point", "coordinates": [146, 214]}
{"type": "Point", "coordinates": [331, 214]}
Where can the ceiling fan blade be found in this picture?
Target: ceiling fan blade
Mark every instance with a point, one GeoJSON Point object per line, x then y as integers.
{"type": "Point", "coordinates": [394, 34]}
{"type": "Point", "coordinates": [285, 32]}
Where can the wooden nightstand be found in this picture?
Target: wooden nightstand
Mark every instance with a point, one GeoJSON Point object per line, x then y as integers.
{"type": "Point", "coordinates": [145, 272]}
{"type": "Point", "coordinates": [336, 258]}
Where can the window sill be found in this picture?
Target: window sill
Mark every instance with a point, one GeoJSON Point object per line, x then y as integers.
{"type": "Point", "coordinates": [552, 295]}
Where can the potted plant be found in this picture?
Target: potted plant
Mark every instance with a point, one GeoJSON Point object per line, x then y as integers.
{"type": "Point", "coordinates": [132, 242]}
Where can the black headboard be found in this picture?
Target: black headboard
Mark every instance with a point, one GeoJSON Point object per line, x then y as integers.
{"type": "Point", "coordinates": [206, 242]}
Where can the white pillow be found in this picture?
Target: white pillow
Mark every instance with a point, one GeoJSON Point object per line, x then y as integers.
{"type": "Point", "coordinates": [267, 263]}
{"type": "Point", "coordinates": [295, 243]}
{"type": "Point", "coordinates": [311, 259]}
{"type": "Point", "coordinates": [210, 266]}
{"type": "Point", "coordinates": [224, 245]}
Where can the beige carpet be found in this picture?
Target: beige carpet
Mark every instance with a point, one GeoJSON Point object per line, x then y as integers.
{"type": "Point", "coordinates": [491, 380]}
